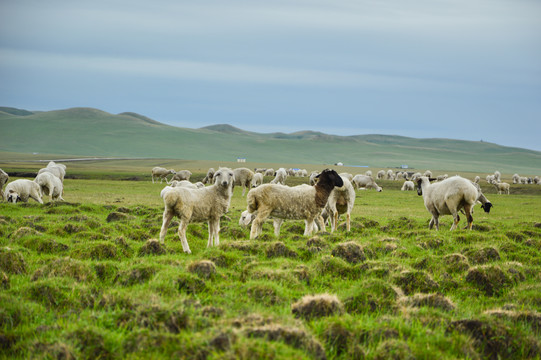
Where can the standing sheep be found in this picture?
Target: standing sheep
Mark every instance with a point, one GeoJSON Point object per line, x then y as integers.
{"type": "Point", "coordinates": [365, 182]}
{"type": "Point", "coordinates": [257, 180]}
{"type": "Point", "coordinates": [4, 177]}
{"type": "Point", "coordinates": [161, 173]}
{"type": "Point", "coordinates": [198, 205]}
{"type": "Point", "coordinates": [408, 186]}
{"type": "Point", "coordinates": [21, 190]}
{"type": "Point", "coordinates": [243, 177]}
{"type": "Point", "coordinates": [280, 178]}
{"type": "Point", "coordinates": [497, 176]}
{"type": "Point", "coordinates": [340, 201]}
{"type": "Point", "coordinates": [58, 170]}
{"type": "Point", "coordinates": [50, 185]}
{"type": "Point", "coordinates": [181, 175]}
{"type": "Point", "coordinates": [516, 178]}
{"type": "Point", "coordinates": [380, 175]}
{"type": "Point", "coordinates": [301, 202]}
{"type": "Point", "coordinates": [210, 175]}
{"type": "Point", "coordinates": [501, 187]}
{"type": "Point", "coordinates": [269, 172]}
{"type": "Point", "coordinates": [448, 197]}
{"type": "Point", "coordinates": [390, 175]}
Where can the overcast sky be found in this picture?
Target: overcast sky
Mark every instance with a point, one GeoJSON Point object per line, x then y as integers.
{"type": "Point", "coordinates": [461, 69]}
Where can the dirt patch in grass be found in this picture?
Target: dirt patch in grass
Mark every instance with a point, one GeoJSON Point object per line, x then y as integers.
{"type": "Point", "coordinates": [279, 249]}
{"type": "Point", "coordinates": [316, 306]}
{"type": "Point", "coordinates": [416, 281]}
{"type": "Point", "coordinates": [482, 256]}
{"type": "Point", "coordinates": [152, 247]}
{"type": "Point", "coordinates": [12, 261]}
{"type": "Point", "coordinates": [65, 267]}
{"type": "Point", "coordinates": [437, 301]}
{"type": "Point", "coordinates": [119, 216]}
{"type": "Point", "coordinates": [349, 251]}
{"type": "Point", "coordinates": [205, 269]}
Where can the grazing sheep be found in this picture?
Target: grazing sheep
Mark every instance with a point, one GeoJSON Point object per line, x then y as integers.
{"type": "Point", "coordinates": [280, 178]}
{"type": "Point", "coordinates": [301, 202]}
{"type": "Point", "coordinates": [368, 173]}
{"type": "Point", "coordinates": [347, 176]}
{"type": "Point", "coordinates": [523, 180]}
{"type": "Point", "coordinates": [428, 173]}
{"type": "Point", "coordinates": [448, 197]}
{"type": "Point", "coordinates": [313, 177]}
{"type": "Point", "coordinates": [161, 173]}
{"type": "Point", "coordinates": [485, 203]}
{"type": "Point", "coordinates": [50, 185]}
{"type": "Point", "coordinates": [516, 178]}
{"type": "Point", "coordinates": [501, 187]}
{"type": "Point", "coordinates": [408, 186]}
{"type": "Point", "coordinates": [442, 177]}
{"type": "Point", "coordinates": [269, 172]}
{"type": "Point", "coordinates": [340, 202]}
{"type": "Point", "coordinates": [58, 170]}
{"type": "Point", "coordinates": [21, 190]}
{"type": "Point", "coordinates": [490, 179]}
{"type": "Point", "coordinates": [257, 180]}
{"type": "Point", "coordinates": [497, 176]}
{"type": "Point", "coordinates": [390, 175]}
{"type": "Point", "coordinates": [181, 175]}
{"type": "Point", "coordinates": [477, 179]}
{"type": "Point", "coordinates": [536, 180]}
{"type": "Point", "coordinates": [4, 177]}
{"type": "Point", "coordinates": [363, 181]}
{"type": "Point", "coordinates": [198, 205]}
{"type": "Point", "coordinates": [243, 177]}
{"type": "Point", "coordinates": [416, 176]}
{"type": "Point", "coordinates": [380, 175]}
{"type": "Point", "coordinates": [210, 175]}
{"type": "Point", "coordinates": [260, 170]}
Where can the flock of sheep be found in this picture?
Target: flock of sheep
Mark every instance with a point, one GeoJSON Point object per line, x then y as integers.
{"type": "Point", "coordinates": [327, 196]}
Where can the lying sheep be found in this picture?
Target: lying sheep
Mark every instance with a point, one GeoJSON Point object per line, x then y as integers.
{"type": "Point", "coordinates": [408, 186]}
{"type": "Point", "coordinates": [501, 187]}
{"type": "Point", "coordinates": [198, 205]}
{"type": "Point", "coordinates": [340, 202]}
{"type": "Point", "coordinates": [22, 190]}
{"type": "Point", "coordinates": [257, 180]}
{"type": "Point", "coordinates": [181, 175]}
{"type": "Point", "coordinates": [243, 177]}
{"type": "Point", "coordinates": [161, 173]}
{"type": "Point", "coordinates": [4, 177]}
{"type": "Point", "coordinates": [301, 202]}
{"type": "Point", "coordinates": [209, 177]}
{"type": "Point", "coordinates": [448, 197]}
{"type": "Point", "coordinates": [280, 178]}
{"type": "Point", "coordinates": [50, 185]}
{"type": "Point", "coordinates": [365, 182]}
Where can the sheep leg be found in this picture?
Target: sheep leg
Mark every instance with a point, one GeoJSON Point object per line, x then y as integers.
{"type": "Point", "coordinates": [214, 229]}
{"type": "Point", "coordinates": [334, 220]}
{"type": "Point", "coordinates": [456, 219]}
{"type": "Point", "coordinates": [277, 223]}
{"type": "Point", "coordinates": [309, 227]}
{"type": "Point", "coordinates": [38, 199]}
{"type": "Point", "coordinates": [348, 225]}
{"type": "Point", "coordinates": [257, 224]}
{"type": "Point", "coordinates": [469, 217]}
{"type": "Point", "coordinates": [167, 216]}
{"type": "Point", "coordinates": [434, 221]}
{"type": "Point", "coordinates": [182, 235]}
{"type": "Point", "coordinates": [320, 223]}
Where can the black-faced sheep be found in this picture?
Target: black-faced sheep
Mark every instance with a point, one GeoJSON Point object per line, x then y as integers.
{"type": "Point", "coordinates": [199, 205]}
{"type": "Point", "coordinates": [302, 202]}
{"type": "Point", "coordinates": [50, 185]}
{"type": "Point", "coordinates": [448, 197]}
{"type": "Point", "coordinates": [22, 190]}
{"type": "Point", "coordinates": [365, 182]}
{"type": "Point", "coordinates": [243, 177]}
{"type": "Point", "coordinates": [161, 173]}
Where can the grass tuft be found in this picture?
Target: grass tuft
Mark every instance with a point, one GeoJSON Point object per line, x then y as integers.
{"type": "Point", "coordinates": [315, 306]}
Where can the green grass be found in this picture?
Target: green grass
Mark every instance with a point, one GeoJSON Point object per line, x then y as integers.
{"type": "Point", "coordinates": [73, 285]}
{"type": "Point", "coordinates": [95, 133]}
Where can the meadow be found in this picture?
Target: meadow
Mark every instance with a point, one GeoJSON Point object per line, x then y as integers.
{"type": "Point", "coordinates": [86, 279]}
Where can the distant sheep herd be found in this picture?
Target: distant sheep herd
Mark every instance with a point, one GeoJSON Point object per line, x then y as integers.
{"type": "Point", "coordinates": [327, 196]}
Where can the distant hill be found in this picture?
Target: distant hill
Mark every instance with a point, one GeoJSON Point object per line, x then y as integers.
{"type": "Point", "coordinates": [92, 132]}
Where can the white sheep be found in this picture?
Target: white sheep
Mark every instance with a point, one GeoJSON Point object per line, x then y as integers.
{"type": "Point", "coordinates": [4, 177]}
{"type": "Point", "coordinates": [280, 178]}
{"type": "Point", "coordinates": [428, 174]}
{"type": "Point", "coordinates": [313, 177]}
{"type": "Point", "coordinates": [58, 170]}
{"type": "Point", "coordinates": [497, 176]}
{"type": "Point", "coordinates": [161, 173]}
{"type": "Point", "coordinates": [243, 177]}
{"type": "Point", "coordinates": [442, 177]}
{"type": "Point", "coordinates": [501, 187]}
{"type": "Point", "coordinates": [181, 175]}
{"type": "Point", "coordinates": [210, 175]}
{"type": "Point", "coordinates": [368, 173]}
{"type": "Point", "coordinates": [347, 176]}
{"type": "Point", "coordinates": [269, 172]}
{"type": "Point", "coordinates": [516, 178]}
{"type": "Point", "coordinates": [340, 201]}
{"type": "Point", "coordinates": [390, 175]}
{"type": "Point", "coordinates": [448, 197]}
{"type": "Point", "coordinates": [22, 190]}
{"type": "Point", "coordinates": [50, 185]}
{"type": "Point", "coordinates": [536, 180]}
{"type": "Point", "coordinates": [199, 205]}
{"type": "Point", "coordinates": [490, 179]}
{"type": "Point", "coordinates": [523, 180]}
{"type": "Point", "coordinates": [408, 186]}
{"type": "Point", "coordinates": [364, 182]}
{"type": "Point", "coordinates": [380, 175]}
{"type": "Point", "coordinates": [477, 179]}
{"type": "Point", "coordinates": [257, 180]}
{"type": "Point", "coordinates": [181, 183]}
{"type": "Point", "coordinates": [301, 202]}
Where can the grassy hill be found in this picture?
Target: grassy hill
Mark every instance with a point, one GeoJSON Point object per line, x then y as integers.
{"type": "Point", "coordinates": [92, 132]}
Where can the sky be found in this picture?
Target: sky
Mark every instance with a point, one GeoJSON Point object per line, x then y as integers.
{"type": "Point", "coordinates": [457, 69]}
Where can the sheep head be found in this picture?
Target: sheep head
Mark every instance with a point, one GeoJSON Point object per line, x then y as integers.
{"type": "Point", "coordinates": [334, 178]}
{"type": "Point", "coordinates": [486, 206]}
{"type": "Point", "coordinates": [13, 197]}
{"type": "Point", "coordinates": [224, 177]}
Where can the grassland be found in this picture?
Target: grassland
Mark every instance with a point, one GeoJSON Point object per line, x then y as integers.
{"type": "Point", "coordinates": [81, 279]}
{"type": "Point", "coordinates": [95, 133]}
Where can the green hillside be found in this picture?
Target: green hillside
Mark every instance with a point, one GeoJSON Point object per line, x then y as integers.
{"type": "Point", "coordinates": [92, 132]}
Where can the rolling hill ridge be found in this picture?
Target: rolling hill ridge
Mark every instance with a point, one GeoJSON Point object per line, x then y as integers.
{"type": "Point", "coordinates": [93, 132]}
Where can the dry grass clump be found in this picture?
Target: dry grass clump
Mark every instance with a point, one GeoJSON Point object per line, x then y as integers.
{"type": "Point", "coordinates": [531, 317]}
{"type": "Point", "coordinates": [47, 246]}
{"type": "Point", "coordinates": [23, 231]}
{"type": "Point", "coordinates": [372, 296]}
{"type": "Point", "coordinates": [11, 261]}
{"type": "Point", "coordinates": [118, 216]}
{"type": "Point", "coordinates": [456, 262]}
{"type": "Point", "coordinates": [265, 293]}
{"type": "Point", "coordinates": [436, 300]}
{"type": "Point", "coordinates": [99, 250]}
{"type": "Point", "coordinates": [492, 280]}
{"type": "Point", "coordinates": [482, 256]}
{"type": "Point", "coordinates": [205, 269]}
{"type": "Point", "coordinates": [315, 306]}
{"type": "Point", "coordinates": [349, 251]}
{"type": "Point", "coordinates": [393, 349]}
{"type": "Point", "coordinates": [67, 267]}
{"type": "Point", "coordinates": [416, 281]}
{"type": "Point", "coordinates": [171, 319]}
{"type": "Point", "coordinates": [279, 249]}
{"type": "Point", "coordinates": [334, 266]}
{"type": "Point", "coordinates": [136, 275]}
{"type": "Point", "coordinates": [249, 247]}
{"type": "Point", "coordinates": [152, 247]}
{"type": "Point", "coordinates": [292, 336]}
{"type": "Point", "coordinates": [316, 242]}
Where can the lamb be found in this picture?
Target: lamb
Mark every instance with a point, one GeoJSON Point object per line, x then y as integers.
{"type": "Point", "coordinates": [4, 177]}
{"type": "Point", "coordinates": [501, 186]}
{"type": "Point", "coordinates": [181, 175]}
{"type": "Point", "coordinates": [363, 181]}
{"type": "Point", "coordinates": [280, 178]}
{"type": "Point", "coordinates": [198, 205]}
{"type": "Point", "coordinates": [257, 180]}
{"type": "Point", "coordinates": [161, 173]}
{"type": "Point", "coordinates": [448, 197]}
{"type": "Point", "coordinates": [243, 177]}
{"type": "Point", "coordinates": [301, 202]}
{"type": "Point", "coordinates": [51, 185]}
{"type": "Point", "coordinates": [380, 175]}
{"type": "Point", "coordinates": [408, 186]}
{"type": "Point", "coordinates": [21, 190]}
{"type": "Point", "coordinates": [340, 201]}
{"type": "Point", "coordinates": [210, 175]}
{"type": "Point", "coordinates": [58, 170]}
